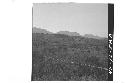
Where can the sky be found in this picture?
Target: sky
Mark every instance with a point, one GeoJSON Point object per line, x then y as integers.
{"type": "Point", "coordinates": [83, 18]}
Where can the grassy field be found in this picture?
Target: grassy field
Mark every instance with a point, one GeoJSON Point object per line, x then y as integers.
{"type": "Point", "coordinates": [57, 57]}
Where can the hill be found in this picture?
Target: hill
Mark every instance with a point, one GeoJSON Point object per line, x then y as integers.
{"type": "Point", "coordinates": [39, 30]}
{"type": "Point", "coordinates": [68, 33]}
{"type": "Point", "coordinates": [93, 36]}
{"type": "Point", "coordinates": [62, 57]}
{"type": "Point", "coordinates": [44, 31]}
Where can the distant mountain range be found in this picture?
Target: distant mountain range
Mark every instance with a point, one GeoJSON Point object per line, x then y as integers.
{"type": "Point", "coordinates": [39, 30]}
{"type": "Point", "coordinates": [69, 33]}
{"type": "Point", "coordinates": [44, 31]}
{"type": "Point", "coordinates": [93, 36]}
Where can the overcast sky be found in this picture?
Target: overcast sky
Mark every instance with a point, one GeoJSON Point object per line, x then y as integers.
{"type": "Point", "coordinates": [84, 18]}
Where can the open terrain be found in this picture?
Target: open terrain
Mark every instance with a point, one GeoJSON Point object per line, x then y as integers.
{"type": "Point", "coordinates": [59, 57]}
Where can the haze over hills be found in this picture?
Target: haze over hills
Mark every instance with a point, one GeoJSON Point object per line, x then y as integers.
{"type": "Point", "coordinates": [39, 30]}
{"type": "Point", "coordinates": [93, 36]}
{"type": "Point", "coordinates": [69, 33]}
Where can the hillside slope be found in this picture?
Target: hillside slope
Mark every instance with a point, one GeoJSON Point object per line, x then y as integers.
{"type": "Point", "coordinates": [62, 57]}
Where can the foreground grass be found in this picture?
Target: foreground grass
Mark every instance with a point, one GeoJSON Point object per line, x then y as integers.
{"type": "Point", "coordinates": [65, 58]}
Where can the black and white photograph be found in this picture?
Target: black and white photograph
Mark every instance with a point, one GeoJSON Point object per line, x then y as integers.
{"type": "Point", "coordinates": [70, 42]}
{"type": "Point", "coordinates": [62, 41]}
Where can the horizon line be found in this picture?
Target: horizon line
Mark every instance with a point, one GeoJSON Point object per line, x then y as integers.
{"type": "Point", "coordinates": [70, 31]}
